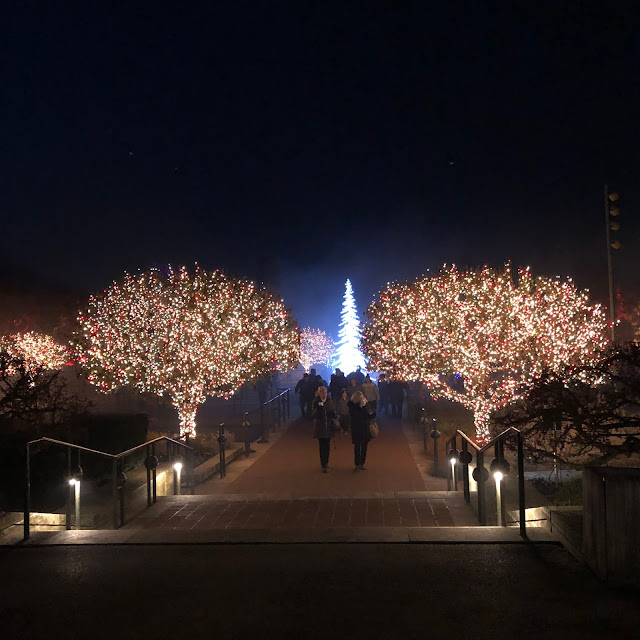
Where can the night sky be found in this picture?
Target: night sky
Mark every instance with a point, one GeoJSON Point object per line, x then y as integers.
{"type": "Point", "coordinates": [301, 143]}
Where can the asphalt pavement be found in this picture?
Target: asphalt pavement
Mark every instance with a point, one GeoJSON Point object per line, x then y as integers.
{"type": "Point", "coordinates": [307, 591]}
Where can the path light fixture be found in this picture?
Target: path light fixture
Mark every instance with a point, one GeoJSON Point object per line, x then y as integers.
{"type": "Point", "coordinates": [452, 455]}
{"type": "Point", "coordinates": [74, 492]}
{"type": "Point", "coordinates": [177, 468]}
{"type": "Point", "coordinates": [497, 475]}
{"type": "Point", "coordinates": [500, 468]}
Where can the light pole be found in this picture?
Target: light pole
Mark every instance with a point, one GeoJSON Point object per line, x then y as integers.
{"type": "Point", "coordinates": [611, 209]}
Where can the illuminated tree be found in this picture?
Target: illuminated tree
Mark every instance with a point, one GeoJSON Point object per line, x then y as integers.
{"type": "Point", "coordinates": [348, 354]}
{"type": "Point", "coordinates": [315, 347]}
{"type": "Point", "coordinates": [186, 336]}
{"type": "Point", "coordinates": [33, 394]}
{"type": "Point", "coordinates": [33, 350]}
{"type": "Point", "coordinates": [477, 338]}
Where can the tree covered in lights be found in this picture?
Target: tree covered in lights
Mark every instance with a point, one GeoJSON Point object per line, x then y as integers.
{"type": "Point", "coordinates": [495, 335]}
{"type": "Point", "coordinates": [32, 350]}
{"type": "Point", "coordinates": [186, 336]}
{"type": "Point", "coordinates": [315, 347]}
{"type": "Point", "coordinates": [33, 394]}
{"type": "Point", "coordinates": [348, 353]}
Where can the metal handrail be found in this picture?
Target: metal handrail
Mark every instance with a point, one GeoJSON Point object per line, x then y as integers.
{"type": "Point", "coordinates": [498, 443]}
{"type": "Point", "coordinates": [117, 475]}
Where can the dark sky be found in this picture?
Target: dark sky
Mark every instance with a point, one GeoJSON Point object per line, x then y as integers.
{"type": "Point", "coordinates": [306, 142]}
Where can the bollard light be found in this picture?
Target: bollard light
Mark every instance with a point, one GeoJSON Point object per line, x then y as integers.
{"type": "Point", "coordinates": [498, 476]}
{"type": "Point", "coordinates": [177, 483]}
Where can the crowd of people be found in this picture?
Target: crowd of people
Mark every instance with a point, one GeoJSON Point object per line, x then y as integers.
{"type": "Point", "coordinates": [348, 404]}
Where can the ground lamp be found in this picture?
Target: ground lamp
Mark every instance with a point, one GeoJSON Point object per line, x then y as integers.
{"type": "Point", "coordinates": [177, 471]}
{"type": "Point", "coordinates": [452, 456]}
{"type": "Point", "coordinates": [74, 495]}
{"type": "Point", "coordinates": [500, 468]}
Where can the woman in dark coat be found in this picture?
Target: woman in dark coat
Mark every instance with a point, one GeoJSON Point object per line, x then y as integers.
{"type": "Point", "coordinates": [323, 415]}
{"type": "Point", "coordinates": [361, 417]}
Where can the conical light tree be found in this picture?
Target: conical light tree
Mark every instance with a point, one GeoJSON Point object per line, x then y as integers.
{"type": "Point", "coordinates": [186, 336]}
{"type": "Point", "coordinates": [497, 336]}
{"type": "Point", "coordinates": [315, 347]}
{"type": "Point", "coordinates": [348, 354]}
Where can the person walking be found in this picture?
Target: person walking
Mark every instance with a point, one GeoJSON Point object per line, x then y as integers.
{"type": "Point", "coordinates": [396, 396]}
{"type": "Point", "coordinates": [383, 391]}
{"type": "Point", "coordinates": [361, 417]}
{"type": "Point", "coordinates": [342, 410]}
{"type": "Point", "coordinates": [337, 384]}
{"type": "Point", "coordinates": [324, 414]}
{"type": "Point", "coordinates": [309, 392]}
{"type": "Point", "coordinates": [301, 389]}
{"type": "Point", "coordinates": [358, 375]}
{"type": "Point", "coordinates": [353, 387]}
{"type": "Point", "coordinates": [370, 391]}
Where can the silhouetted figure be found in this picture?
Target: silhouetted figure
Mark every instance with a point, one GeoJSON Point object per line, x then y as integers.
{"type": "Point", "coordinates": [358, 375]}
{"type": "Point", "coordinates": [383, 391]}
{"type": "Point", "coordinates": [337, 384]}
{"type": "Point", "coordinates": [396, 397]}
{"type": "Point", "coordinates": [301, 388]}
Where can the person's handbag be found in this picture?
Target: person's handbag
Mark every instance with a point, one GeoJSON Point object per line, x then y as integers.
{"type": "Point", "coordinates": [374, 430]}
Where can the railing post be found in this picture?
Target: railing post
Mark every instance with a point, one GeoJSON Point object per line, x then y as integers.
{"type": "Point", "coordinates": [221, 441]}
{"type": "Point", "coordinates": [435, 434]}
{"type": "Point", "coordinates": [192, 466]}
{"type": "Point", "coordinates": [154, 487]}
{"type": "Point", "coordinates": [114, 494]}
{"type": "Point", "coordinates": [245, 433]}
{"type": "Point", "coordinates": [465, 471]}
{"type": "Point", "coordinates": [482, 509]}
{"type": "Point", "coordinates": [288, 404]}
{"type": "Point", "coordinates": [68, 488]}
{"type": "Point", "coordinates": [148, 451]}
{"type": "Point", "coordinates": [122, 480]}
{"type": "Point", "coordinates": [27, 496]}
{"type": "Point", "coordinates": [521, 505]}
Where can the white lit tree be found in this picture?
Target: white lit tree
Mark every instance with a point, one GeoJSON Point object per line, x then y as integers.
{"type": "Point", "coordinates": [34, 350]}
{"type": "Point", "coordinates": [315, 347]}
{"type": "Point", "coordinates": [498, 337]}
{"type": "Point", "coordinates": [186, 336]}
{"type": "Point", "coordinates": [348, 353]}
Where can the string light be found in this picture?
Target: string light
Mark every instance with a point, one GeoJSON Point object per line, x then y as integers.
{"type": "Point", "coordinates": [35, 349]}
{"type": "Point", "coordinates": [187, 336]}
{"type": "Point", "coordinates": [315, 347]}
{"type": "Point", "coordinates": [498, 337]}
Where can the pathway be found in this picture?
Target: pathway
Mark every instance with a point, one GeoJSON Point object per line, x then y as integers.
{"type": "Point", "coordinates": [283, 488]}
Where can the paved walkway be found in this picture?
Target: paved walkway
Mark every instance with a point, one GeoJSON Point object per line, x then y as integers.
{"type": "Point", "coordinates": [283, 488]}
{"type": "Point", "coordinates": [291, 468]}
{"type": "Point", "coordinates": [314, 513]}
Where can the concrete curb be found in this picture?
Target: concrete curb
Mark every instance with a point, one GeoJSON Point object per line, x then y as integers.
{"type": "Point", "coordinates": [344, 535]}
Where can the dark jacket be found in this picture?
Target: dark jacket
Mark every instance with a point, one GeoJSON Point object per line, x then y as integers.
{"type": "Point", "coordinates": [360, 421]}
{"type": "Point", "coordinates": [396, 391]}
{"type": "Point", "coordinates": [323, 417]}
{"type": "Point", "coordinates": [337, 384]}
